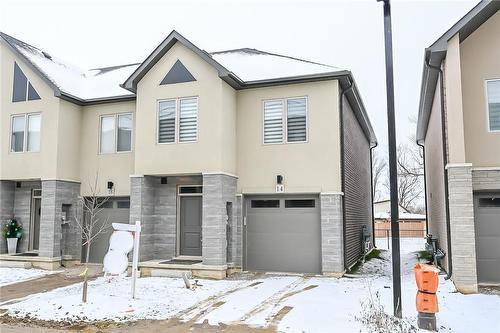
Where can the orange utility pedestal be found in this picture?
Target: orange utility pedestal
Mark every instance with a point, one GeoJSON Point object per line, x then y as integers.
{"type": "Point", "coordinates": [427, 279]}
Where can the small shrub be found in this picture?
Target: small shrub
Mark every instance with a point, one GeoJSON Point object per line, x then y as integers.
{"type": "Point", "coordinates": [376, 320]}
{"type": "Point", "coordinates": [425, 255]}
{"type": "Point", "coordinates": [12, 229]}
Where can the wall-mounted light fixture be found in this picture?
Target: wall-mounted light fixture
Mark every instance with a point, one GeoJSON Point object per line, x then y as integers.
{"type": "Point", "coordinates": [110, 187]}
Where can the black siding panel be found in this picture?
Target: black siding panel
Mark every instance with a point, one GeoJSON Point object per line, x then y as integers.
{"type": "Point", "coordinates": [357, 185]}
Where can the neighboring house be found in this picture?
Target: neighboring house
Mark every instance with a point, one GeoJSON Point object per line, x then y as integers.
{"type": "Point", "coordinates": [411, 224]}
{"type": "Point", "coordinates": [236, 159]}
{"type": "Point", "coordinates": [459, 128]}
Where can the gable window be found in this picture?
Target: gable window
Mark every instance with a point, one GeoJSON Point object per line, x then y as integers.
{"type": "Point", "coordinates": [285, 120]}
{"type": "Point", "coordinates": [25, 133]}
{"type": "Point", "coordinates": [115, 133]}
{"type": "Point", "coordinates": [493, 99]}
{"type": "Point", "coordinates": [22, 90]}
{"type": "Point", "coordinates": [178, 120]}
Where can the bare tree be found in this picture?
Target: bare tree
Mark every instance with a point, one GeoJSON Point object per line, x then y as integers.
{"type": "Point", "coordinates": [90, 224]}
{"type": "Point", "coordinates": [410, 176]}
{"type": "Point", "coordinates": [379, 167]}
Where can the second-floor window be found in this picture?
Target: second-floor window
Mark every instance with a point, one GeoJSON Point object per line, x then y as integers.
{"type": "Point", "coordinates": [285, 120]}
{"type": "Point", "coordinates": [25, 133]}
{"type": "Point", "coordinates": [178, 120]}
{"type": "Point", "coordinates": [116, 133]}
{"type": "Point", "coordinates": [493, 95]}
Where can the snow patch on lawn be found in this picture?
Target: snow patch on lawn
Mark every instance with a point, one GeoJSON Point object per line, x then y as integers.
{"type": "Point", "coordinates": [10, 275]}
{"type": "Point", "coordinates": [157, 298]}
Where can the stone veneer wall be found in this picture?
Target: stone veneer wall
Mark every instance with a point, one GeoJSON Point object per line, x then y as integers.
{"type": "Point", "coordinates": [332, 249]}
{"type": "Point", "coordinates": [218, 189]}
{"type": "Point", "coordinates": [7, 189]}
{"type": "Point", "coordinates": [155, 205]}
{"type": "Point", "coordinates": [463, 240]}
{"type": "Point", "coordinates": [486, 179]}
{"type": "Point", "coordinates": [55, 193]}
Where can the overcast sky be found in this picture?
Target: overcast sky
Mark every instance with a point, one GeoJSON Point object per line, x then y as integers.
{"type": "Point", "coordinates": [346, 34]}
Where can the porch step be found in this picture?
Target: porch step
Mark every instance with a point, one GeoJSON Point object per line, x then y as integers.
{"type": "Point", "coordinates": [172, 273]}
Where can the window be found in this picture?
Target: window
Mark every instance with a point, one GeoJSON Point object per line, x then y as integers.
{"type": "Point", "coordinates": [493, 95]}
{"type": "Point", "coordinates": [17, 139]}
{"type": "Point", "coordinates": [25, 133]}
{"type": "Point", "coordinates": [489, 202]}
{"type": "Point", "coordinates": [300, 203]}
{"type": "Point", "coordinates": [34, 126]}
{"type": "Point", "coordinates": [116, 133]}
{"type": "Point", "coordinates": [190, 189]}
{"type": "Point", "coordinates": [178, 120]}
{"type": "Point", "coordinates": [22, 90]}
{"type": "Point", "coordinates": [265, 204]}
{"type": "Point", "coordinates": [293, 122]}
{"type": "Point", "coordinates": [124, 140]}
{"type": "Point", "coordinates": [123, 204]}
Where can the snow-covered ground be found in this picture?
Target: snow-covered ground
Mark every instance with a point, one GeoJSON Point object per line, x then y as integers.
{"type": "Point", "coordinates": [288, 303]}
{"type": "Point", "coordinates": [10, 275]}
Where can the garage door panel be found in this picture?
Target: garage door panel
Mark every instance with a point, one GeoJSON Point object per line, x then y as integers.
{"type": "Point", "coordinates": [115, 211]}
{"type": "Point", "coordinates": [487, 228]}
{"type": "Point", "coordinates": [283, 239]}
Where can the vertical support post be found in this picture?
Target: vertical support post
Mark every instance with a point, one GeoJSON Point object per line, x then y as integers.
{"type": "Point", "coordinates": [393, 172]}
{"type": "Point", "coordinates": [135, 255]}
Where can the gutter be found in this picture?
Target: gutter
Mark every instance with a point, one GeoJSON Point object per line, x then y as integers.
{"type": "Point", "coordinates": [445, 157]}
{"type": "Point", "coordinates": [372, 194]}
{"type": "Point", "coordinates": [425, 189]}
{"type": "Point", "coordinates": [342, 168]}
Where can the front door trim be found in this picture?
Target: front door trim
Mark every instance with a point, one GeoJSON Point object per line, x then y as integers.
{"type": "Point", "coordinates": [35, 195]}
{"type": "Point", "coordinates": [178, 219]}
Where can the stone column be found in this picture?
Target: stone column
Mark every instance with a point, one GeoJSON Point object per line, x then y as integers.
{"type": "Point", "coordinates": [218, 189]}
{"type": "Point", "coordinates": [142, 201]}
{"type": "Point", "coordinates": [332, 248]}
{"type": "Point", "coordinates": [55, 194]}
{"type": "Point", "coordinates": [463, 239]}
{"type": "Point", "coordinates": [7, 189]}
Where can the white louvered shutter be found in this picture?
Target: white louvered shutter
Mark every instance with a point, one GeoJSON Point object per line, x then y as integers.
{"type": "Point", "coordinates": [296, 120]}
{"type": "Point", "coordinates": [188, 120]}
{"type": "Point", "coordinates": [273, 121]}
{"type": "Point", "coordinates": [166, 121]}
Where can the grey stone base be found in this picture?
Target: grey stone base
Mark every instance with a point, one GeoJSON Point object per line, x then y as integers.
{"type": "Point", "coordinates": [219, 196]}
{"type": "Point", "coordinates": [332, 248]}
{"type": "Point", "coordinates": [463, 238]}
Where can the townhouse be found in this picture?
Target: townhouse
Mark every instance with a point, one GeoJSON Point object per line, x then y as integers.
{"type": "Point", "coordinates": [240, 159]}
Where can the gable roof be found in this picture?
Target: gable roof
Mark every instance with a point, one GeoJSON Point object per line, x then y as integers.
{"type": "Point", "coordinates": [249, 68]}
{"type": "Point", "coordinates": [436, 52]}
{"type": "Point", "coordinates": [68, 81]}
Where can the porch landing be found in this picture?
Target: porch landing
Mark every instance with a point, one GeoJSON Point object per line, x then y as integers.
{"type": "Point", "coordinates": [29, 260]}
{"type": "Point", "coordinates": [162, 268]}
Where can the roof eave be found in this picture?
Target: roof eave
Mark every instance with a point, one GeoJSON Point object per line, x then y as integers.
{"type": "Point", "coordinates": [174, 37]}
{"type": "Point", "coordinates": [435, 54]}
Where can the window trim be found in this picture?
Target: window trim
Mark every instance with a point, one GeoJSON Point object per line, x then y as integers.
{"type": "Point", "coordinates": [115, 134]}
{"type": "Point", "coordinates": [487, 106]}
{"type": "Point", "coordinates": [25, 134]}
{"type": "Point", "coordinates": [177, 120]}
{"type": "Point", "coordinates": [284, 102]}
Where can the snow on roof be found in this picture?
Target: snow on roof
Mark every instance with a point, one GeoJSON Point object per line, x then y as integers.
{"type": "Point", "coordinates": [83, 84]}
{"type": "Point", "coordinates": [402, 216]}
{"type": "Point", "coordinates": [254, 65]}
{"type": "Point", "coordinates": [101, 83]}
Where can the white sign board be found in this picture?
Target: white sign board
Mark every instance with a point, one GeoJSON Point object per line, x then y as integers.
{"type": "Point", "coordinates": [122, 241]}
{"type": "Point", "coordinates": [280, 188]}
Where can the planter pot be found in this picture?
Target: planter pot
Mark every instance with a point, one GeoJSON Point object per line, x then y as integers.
{"type": "Point", "coordinates": [12, 245]}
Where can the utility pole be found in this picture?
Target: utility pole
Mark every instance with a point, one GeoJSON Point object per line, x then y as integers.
{"type": "Point", "coordinates": [393, 172]}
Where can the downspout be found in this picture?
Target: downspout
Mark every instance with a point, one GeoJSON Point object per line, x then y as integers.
{"type": "Point", "coordinates": [425, 188]}
{"type": "Point", "coordinates": [371, 182]}
{"type": "Point", "coordinates": [445, 158]}
{"type": "Point", "coordinates": [342, 173]}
